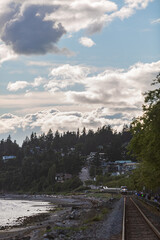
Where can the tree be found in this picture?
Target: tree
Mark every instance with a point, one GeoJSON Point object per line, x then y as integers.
{"type": "Point", "coordinates": [49, 135]}
{"type": "Point", "coordinates": [51, 174]}
{"type": "Point", "coordinates": [145, 144]}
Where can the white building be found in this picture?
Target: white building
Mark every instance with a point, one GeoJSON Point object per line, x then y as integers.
{"type": "Point", "coordinates": [6, 158]}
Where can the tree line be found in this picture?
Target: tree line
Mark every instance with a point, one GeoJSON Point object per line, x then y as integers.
{"type": "Point", "coordinates": [41, 157]}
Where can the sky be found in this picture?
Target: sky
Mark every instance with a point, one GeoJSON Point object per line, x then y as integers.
{"type": "Point", "coordinates": [69, 64]}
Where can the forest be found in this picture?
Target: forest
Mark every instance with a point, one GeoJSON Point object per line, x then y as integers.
{"type": "Point", "coordinates": [41, 157]}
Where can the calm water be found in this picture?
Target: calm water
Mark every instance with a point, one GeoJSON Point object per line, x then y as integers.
{"type": "Point", "coordinates": [10, 210]}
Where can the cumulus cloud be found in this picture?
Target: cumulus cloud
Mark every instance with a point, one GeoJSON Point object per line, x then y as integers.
{"type": "Point", "coordinates": [128, 9]}
{"type": "Point", "coordinates": [87, 42]}
{"type": "Point", "coordinates": [93, 15]}
{"type": "Point", "coordinates": [6, 53]}
{"type": "Point", "coordinates": [35, 27]}
{"type": "Point", "coordinates": [77, 15]}
{"type": "Point", "coordinates": [109, 87]}
{"type": "Point", "coordinates": [17, 85]}
{"type": "Point", "coordinates": [23, 84]}
{"type": "Point", "coordinates": [28, 33]}
{"type": "Point", "coordinates": [78, 84]}
{"type": "Point", "coordinates": [63, 121]}
{"type": "Point", "coordinates": [38, 81]}
{"type": "Point", "coordinates": [64, 76]}
{"type": "Point", "coordinates": [9, 123]}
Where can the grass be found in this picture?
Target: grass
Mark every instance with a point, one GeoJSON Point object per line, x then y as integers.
{"type": "Point", "coordinates": [103, 195]}
{"type": "Point", "coordinates": [97, 216]}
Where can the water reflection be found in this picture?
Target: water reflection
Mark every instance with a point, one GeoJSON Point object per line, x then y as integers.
{"type": "Point", "coordinates": [10, 210]}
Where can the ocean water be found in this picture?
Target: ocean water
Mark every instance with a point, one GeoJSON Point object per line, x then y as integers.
{"type": "Point", "coordinates": [11, 210]}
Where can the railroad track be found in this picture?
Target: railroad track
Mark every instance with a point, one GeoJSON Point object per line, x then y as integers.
{"type": "Point", "coordinates": [136, 225]}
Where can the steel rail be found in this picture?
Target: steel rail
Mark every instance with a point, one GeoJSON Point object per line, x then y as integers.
{"type": "Point", "coordinates": [154, 229]}
{"type": "Point", "coordinates": [124, 220]}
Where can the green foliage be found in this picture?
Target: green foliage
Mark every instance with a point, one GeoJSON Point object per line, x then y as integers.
{"type": "Point", "coordinates": [51, 174]}
{"type": "Point", "coordinates": [68, 185]}
{"type": "Point", "coordinates": [92, 171]}
{"type": "Point", "coordinates": [89, 182]}
{"type": "Point", "coordinates": [81, 188]}
{"type": "Point", "coordinates": [96, 216]}
{"type": "Point", "coordinates": [145, 144]}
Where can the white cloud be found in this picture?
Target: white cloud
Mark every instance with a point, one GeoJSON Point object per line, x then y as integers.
{"type": "Point", "coordinates": [156, 21]}
{"type": "Point", "coordinates": [77, 15]}
{"type": "Point", "coordinates": [64, 76]}
{"type": "Point", "coordinates": [87, 42]}
{"type": "Point", "coordinates": [17, 85]}
{"type": "Point", "coordinates": [42, 121]}
{"type": "Point", "coordinates": [9, 123]}
{"type": "Point", "coordinates": [93, 15]}
{"type": "Point", "coordinates": [38, 81]}
{"type": "Point", "coordinates": [128, 9]}
{"type": "Point", "coordinates": [6, 53]}
{"type": "Point", "coordinates": [23, 84]}
{"type": "Point", "coordinates": [111, 87]}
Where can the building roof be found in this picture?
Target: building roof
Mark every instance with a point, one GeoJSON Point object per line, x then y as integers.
{"type": "Point", "coordinates": [123, 161]}
{"type": "Point", "coordinates": [8, 157]}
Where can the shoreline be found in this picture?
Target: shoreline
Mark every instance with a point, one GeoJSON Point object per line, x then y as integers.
{"type": "Point", "coordinates": [68, 217]}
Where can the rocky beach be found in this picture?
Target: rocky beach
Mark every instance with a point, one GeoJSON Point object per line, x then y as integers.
{"type": "Point", "coordinates": [69, 217]}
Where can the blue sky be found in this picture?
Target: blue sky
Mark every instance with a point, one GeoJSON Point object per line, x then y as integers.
{"type": "Point", "coordinates": [69, 64]}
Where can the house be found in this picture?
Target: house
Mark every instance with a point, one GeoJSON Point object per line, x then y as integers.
{"type": "Point", "coordinates": [112, 167]}
{"type": "Point", "coordinates": [91, 157]}
{"type": "Point", "coordinates": [102, 155]}
{"type": "Point", "coordinates": [130, 166]}
{"type": "Point", "coordinates": [122, 161]}
{"type": "Point", "coordinates": [72, 149]}
{"type": "Point", "coordinates": [6, 158]}
{"type": "Point", "coordinates": [115, 174]}
{"type": "Point", "coordinates": [61, 177]}
{"type": "Point", "coordinates": [100, 147]}
{"type": "Point", "coordinates": [121, 167]}
{"type": "Point", "coordinates": [67, 176]}
{"type": "Point", "coordinates": [92, 154]}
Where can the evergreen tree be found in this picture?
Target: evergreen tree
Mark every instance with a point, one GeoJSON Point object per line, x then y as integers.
{"type": "Point", "coordinates": [145, 144]}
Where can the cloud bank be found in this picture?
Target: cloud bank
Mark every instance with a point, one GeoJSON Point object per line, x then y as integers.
{"type": "Point", "coordinates": [42, 121]}
{"type": "Point", "coordinates": [113, 96]}
{"type": "Point", "coordinates": [109, 87]}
